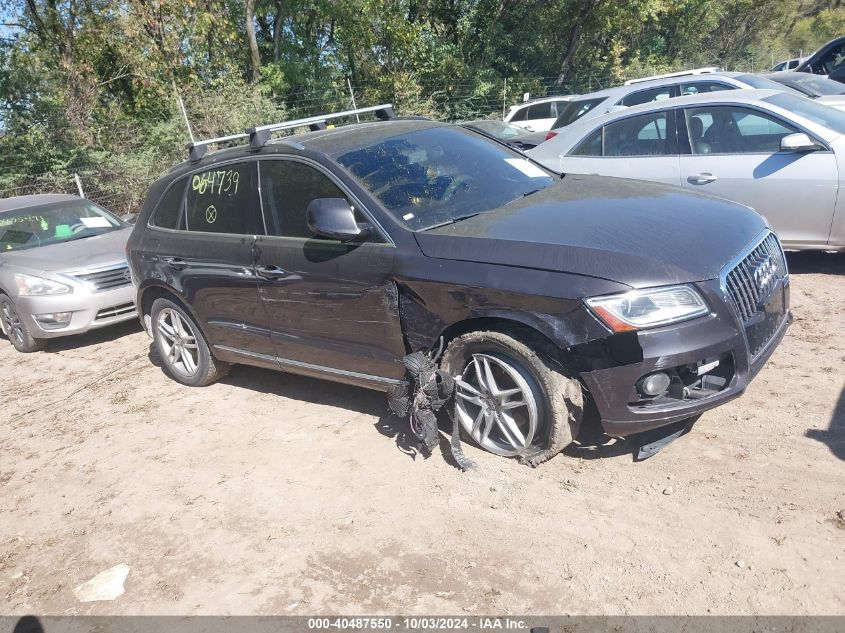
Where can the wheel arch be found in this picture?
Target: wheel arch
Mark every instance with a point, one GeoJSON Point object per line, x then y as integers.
{"type": "Point", "coordinates": [149, 293]}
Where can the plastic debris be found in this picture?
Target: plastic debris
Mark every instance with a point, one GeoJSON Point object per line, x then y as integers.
{"type": "Point", "coordinates": [427, 390]}
{"type": "Point", "coordinates": [107, 585]}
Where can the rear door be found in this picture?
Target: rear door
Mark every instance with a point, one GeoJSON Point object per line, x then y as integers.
{"type": "Point", "coordinates": [327, 304]}
{"type": "Point", "coordinates": [204, 251]}
{"type": "Point", "coordinates": [735, 154]}
{"type": "Point", "coordinates": [643, 147]}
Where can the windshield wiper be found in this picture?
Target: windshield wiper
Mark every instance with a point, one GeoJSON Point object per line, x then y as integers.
{"type": "Point", "coordinates": [451, 221]}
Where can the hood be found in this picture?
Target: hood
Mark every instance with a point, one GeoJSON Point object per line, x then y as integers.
{"type": "Point", "coordinates": [89, 252]}
{"type": "Point", "coordinates": [636, 233]}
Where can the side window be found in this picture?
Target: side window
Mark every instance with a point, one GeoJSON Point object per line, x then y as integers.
{"type": "Point", "coordinates": [221, 199]}
{"type": "Point", "coordinates": [834, 59]}
{"type": "Point", "coordinates": [519, 115]}
{"type": "Point", "coordinates": [590, 146]}
{"type": "Point", "coordinates": [647, 96]}
{"type": "Point", "coordinates": [700, 87]}
{"type": "Point", "coordinates": [733, 130]}
{"type": "Point", "coordinates": [643, 135]}
{"type": "Point", "coordinates": [540, 110]}
{"type": "Point", "coordinates": [170, 212]}
{"type": "Point", "coordinates": [287, 188]}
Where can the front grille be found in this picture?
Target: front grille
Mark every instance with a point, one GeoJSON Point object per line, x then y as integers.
{"type": "Point", "coordinates": [124, 309]}
{"type": "Point", "coordinates": [755, 289]}
{"type": "Point", "coordinates": [108, 279]}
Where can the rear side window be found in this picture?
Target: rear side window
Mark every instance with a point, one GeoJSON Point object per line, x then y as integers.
{"type": "Point", "coordinates": [643, 135]}
{"type": "Point", "coordinates": [519, 115]}
{"type": "Point", "coordinates": [647, 96]}
{"type": "Point", "coordinates": [574, 110]}
{"type": "Point", "coordinates": [170, 212]}
{"type": "Point", "coordinates": [221, 200]}
{"type": "Point", "coordinates": [700, 87]}
{"type": "Point", "coordinates": [540, 110]}
{"type": "Point", "coordinates": [590, 146]}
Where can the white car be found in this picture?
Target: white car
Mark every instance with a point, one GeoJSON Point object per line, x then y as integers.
{"type": "Point", "coordinates": [781, 154]}
{"type": "Point", "coordinates": [537, 115]}
{"type": "Point", "coordinates": [787, 64]}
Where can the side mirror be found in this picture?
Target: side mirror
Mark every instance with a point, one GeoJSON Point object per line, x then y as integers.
{"type": "Point", "coordinates": [334, 218]}
{"type": "Point", "coordinates": [799, 142]}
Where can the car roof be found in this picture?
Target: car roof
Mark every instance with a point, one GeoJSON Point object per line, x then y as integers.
{"type": "Point", "coordinates": [332, 141]}
{"type": "Point", "coordinates": [541, 99]}
{"type": "Point", "coordinates": [656, 83]}
{"type": "Point", "coordinates": [23, 202]}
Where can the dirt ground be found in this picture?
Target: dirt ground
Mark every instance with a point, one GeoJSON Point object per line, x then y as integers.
{"type": "Point", "coordinates": [275, 494]}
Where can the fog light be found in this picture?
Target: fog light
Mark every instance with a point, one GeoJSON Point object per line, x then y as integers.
{"type": "Point", "coordinates": [655, 384]}
{"type": "Point", "coordinates": [53, 320]}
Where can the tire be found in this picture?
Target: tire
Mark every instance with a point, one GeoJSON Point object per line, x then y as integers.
{"type": "Point", "coordinates": [16, 330]}
{"type": "Point", "coordinates": [180, 343]}
{"type": "Point", "coordinates": [551, 416]}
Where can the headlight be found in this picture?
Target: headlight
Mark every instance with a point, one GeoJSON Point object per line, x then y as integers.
{"type": "Point", "coordinates": [38, 286]}
{"type": "Point", "coordinates": [647, 308]}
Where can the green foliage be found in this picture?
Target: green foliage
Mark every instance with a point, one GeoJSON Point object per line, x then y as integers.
{"type": "Point", "coordinates": [92, 85]}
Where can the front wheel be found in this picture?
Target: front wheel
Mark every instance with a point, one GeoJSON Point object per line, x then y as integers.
{"type": "Point", "coordinates": [182, 346]}
{"type": "Point", "coordinates": [510, 399]}
{"type": "Point", "coordinates": [16, 330]}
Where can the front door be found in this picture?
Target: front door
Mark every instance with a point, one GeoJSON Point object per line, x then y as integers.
{"type": "Point", "coordinates": [329, 305]}
{"type": "Point", "coordinates": [736, 155]}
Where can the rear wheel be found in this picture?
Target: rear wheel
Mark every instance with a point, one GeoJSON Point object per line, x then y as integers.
{"type": "Point", "coordinates": [16, 330]}
{"type": "Point", "coordinates": [510, 399]}
{"type": "Point", "coordinates": [182, 346]}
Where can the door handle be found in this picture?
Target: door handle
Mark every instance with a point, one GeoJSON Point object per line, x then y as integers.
{"type": "Point", "coordinates": [270, 272]}
{"type": "Point", "coordinates": [701, 179]}
{"type": "Point", "coordinates": [176, 263]}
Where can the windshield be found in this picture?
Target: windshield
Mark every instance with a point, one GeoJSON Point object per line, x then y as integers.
{"type": "Point", "coordinates": [816, 112]}
{"type": "Point", "coordinates": [438, 175]}
{"type": "Point", "coordinates": [815, 85]}
{"type": "Point", "coordinates": [36, 226]}
{"type": "Point", "coordinates": [574, 110]}
{"type": "Point", "coordinates": [766, 84]}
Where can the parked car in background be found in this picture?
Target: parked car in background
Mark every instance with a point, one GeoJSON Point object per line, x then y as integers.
{"type": "Point", "coordinates": [374, 240]}
{"type": "Point", "coordinates": [787, 64]}
{"type": "Point", "coordinates": [777, 152]}
{"type": "Point", "coordinates": [822, 89]}
{"type": "Point", "coordinates": [62, 269]}
{"type": "Point", "coordinates": [536, 115]}
{"type": "Point", "coordinates": [829, 61]}
{"type": "Point", "coordinates": [637, 91]}
{"type": "Point", "coordinates": [514, 136]}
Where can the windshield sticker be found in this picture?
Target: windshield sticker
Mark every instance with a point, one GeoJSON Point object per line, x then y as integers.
{"type": "Point", "coordinates": [528, 168]}
{"type": "Point", "coordinates": [96, 223]}
{"type": "Point", "coordinates": [408, 216]}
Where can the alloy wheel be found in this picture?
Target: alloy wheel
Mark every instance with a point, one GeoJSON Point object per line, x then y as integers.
{"type": "Point", "coordinates": [178, 342]}
{"type": "Point", "coordinates": [12, 326]}
{"type": "Point", "coordinates": [496, 406]}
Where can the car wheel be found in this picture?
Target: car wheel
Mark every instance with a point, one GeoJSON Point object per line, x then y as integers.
{"type": "Point", "coordinates": [182, 347]}
{"type": "Point", "coordinates": [16, 330]}
{"type": "Point", "coordinates": [510, 399]}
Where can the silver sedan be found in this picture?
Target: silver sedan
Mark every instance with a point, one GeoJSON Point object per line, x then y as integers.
{"type": "Point", "coordinates": [62, 269]}
{"type": "Point", "coordinates": [782, 154]}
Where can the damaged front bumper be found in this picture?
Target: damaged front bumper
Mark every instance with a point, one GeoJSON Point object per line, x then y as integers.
{"type": "Point", "coordinates": [708, 361]}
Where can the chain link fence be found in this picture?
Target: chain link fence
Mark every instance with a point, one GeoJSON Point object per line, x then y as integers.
{"type": "Point", "coordinates": [446, 99]}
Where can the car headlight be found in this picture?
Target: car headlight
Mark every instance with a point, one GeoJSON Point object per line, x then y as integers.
{"type": "Point", "coordinates": [648, 308]}
{"type": "Point", "coordinates": [29, 285]}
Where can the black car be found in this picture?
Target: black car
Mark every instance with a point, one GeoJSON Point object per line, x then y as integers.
{"type": "Point", "coordinates": [336, 253]}
{"type": "Point", "coordinates": [828, 60]}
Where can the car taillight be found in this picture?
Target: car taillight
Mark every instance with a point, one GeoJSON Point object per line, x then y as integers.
{"type": "Point", "coordinates": [550, 134]}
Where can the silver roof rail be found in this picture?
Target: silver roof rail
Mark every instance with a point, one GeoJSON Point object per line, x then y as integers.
{"type": "Point", "coordinates": [260, 134]}
{"type": "Point", "coordinates": [682, 73]}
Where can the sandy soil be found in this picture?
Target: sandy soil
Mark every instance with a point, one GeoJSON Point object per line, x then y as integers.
{"type": "Point", "coordinates": [271, 493]}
